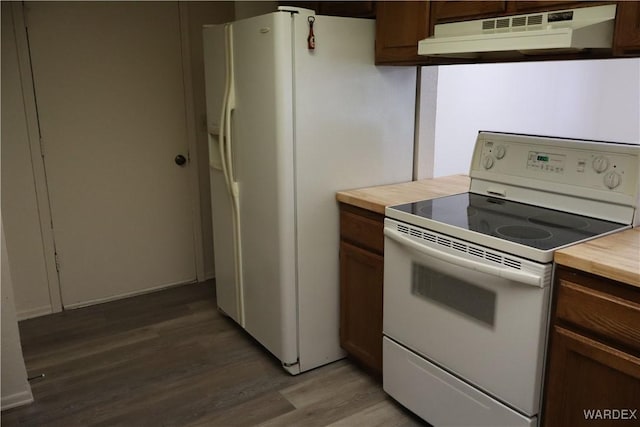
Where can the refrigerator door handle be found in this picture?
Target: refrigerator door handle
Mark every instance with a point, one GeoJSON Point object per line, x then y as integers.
{"type": "Point", "coordinates": [228, 107]}
{"type": "Point", "coordinates": [228, 128]}
{"type": "Point", "coordinates": [220, 148]}
{"type": "Point", "coordinates": [227, 167]}
{"type": "Point", "coordinates": [215, 160]}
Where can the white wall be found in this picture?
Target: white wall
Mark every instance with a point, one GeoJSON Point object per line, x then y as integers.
{"type": "Point", "coordinates": [597, 100]}
{"type": "Point", "coordinates": [15, 387]}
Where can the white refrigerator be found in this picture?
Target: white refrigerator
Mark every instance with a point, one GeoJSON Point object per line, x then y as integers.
{"type": "Point", "coordinates": [288, 127]}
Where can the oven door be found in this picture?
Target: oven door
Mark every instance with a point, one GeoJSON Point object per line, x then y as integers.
{"type": "Point", "coordinates": [476, 314]}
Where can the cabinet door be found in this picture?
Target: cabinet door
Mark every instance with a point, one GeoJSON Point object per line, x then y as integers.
{"type": "Point", "coordinates": [627, 36]}
{"type": "Point", "coordinates": [350, 9]}
{"type": "Point", "coordinates": [354, 9]}
{"type": "Point", "coordinates": [586, 376]}
{"type": "Point", "coordinates": [448, 11]}
{"type": "Point", "coordinates": [544, 5]}
{"type": "Point", "coordinates": [361, 278]}
{"type": "Point", "coordinates": [399, 27]}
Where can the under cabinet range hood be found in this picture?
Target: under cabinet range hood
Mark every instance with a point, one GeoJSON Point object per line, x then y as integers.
{"type": "Point", "coordinates": [540, 33]}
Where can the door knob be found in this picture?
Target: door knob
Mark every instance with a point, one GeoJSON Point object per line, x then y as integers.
{"type": "Point", "coordinates": [180, 160]}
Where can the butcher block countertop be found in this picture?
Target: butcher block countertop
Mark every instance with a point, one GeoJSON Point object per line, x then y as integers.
{"type": "Point", "coordinates": [616, 256]}
{"type": "Point", "coordinates": [375, 199]}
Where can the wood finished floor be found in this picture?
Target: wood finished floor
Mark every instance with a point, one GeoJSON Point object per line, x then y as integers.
{"type": "Point", "coordinates": [171, 359]}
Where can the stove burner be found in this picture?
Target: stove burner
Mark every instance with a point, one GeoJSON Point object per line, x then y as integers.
{"type": "Point", "coordinates": [523, 232]}
{"type": "Point", "coordinates": [571, 223]}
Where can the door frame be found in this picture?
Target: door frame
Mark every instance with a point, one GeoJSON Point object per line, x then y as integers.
{"type": "Point", "coordinates": [37, 151]}
{"type": "Point", "coordinates": [192, 140]}
{"type": "Point", "coordinates": [37, 158]}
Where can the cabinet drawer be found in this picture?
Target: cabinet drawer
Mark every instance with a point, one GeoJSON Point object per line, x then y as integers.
{"type": "Point", "coordinates": [610, 316]}
{"type": "Point", "coordinates": [362, 228]}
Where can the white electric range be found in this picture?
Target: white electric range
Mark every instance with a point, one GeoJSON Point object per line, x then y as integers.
{"type": "Point", "coordinates": [467, 277]}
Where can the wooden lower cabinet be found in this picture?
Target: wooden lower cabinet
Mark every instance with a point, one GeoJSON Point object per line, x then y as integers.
{"type": "Point", "coordinates": [361, 286]}
{"type": "Point", "coordinates": [593, 373]}
{"type": "Point", "coordinates": [586, 376]}
{"type": "Point", "coordinates": [361, 305]}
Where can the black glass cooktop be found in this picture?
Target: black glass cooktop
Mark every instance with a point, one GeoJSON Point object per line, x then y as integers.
{"type": "Point", "coordinates": [533, 226]}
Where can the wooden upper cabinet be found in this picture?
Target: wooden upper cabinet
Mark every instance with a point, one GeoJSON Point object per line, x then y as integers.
{"type": "Point", "coordinates": [627, 35]}
{"type": "Point", "coordinates": [541, 5]}
{"type": "Point", "coordinates": [448, 11]}
{"type": "Point", "coordinates": [350, 9]}
{"type": "Point", "coordinates": [401, 24]}
{"type": "Point", "coordinates": [353, 9]}
{"type": "Point", "coordinates": [399, 27]}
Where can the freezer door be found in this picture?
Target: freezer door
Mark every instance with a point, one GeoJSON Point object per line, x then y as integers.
{"type": "Point", "coordinates": [262, 158]}
{"type": "Point", "coordinates": [221, 210]}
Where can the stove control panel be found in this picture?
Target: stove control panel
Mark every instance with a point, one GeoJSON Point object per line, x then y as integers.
{"type": "Point", "coordinates": [546, 162]}
{"type": "Point", "coordinates": [599, 179]}
{"type": "Point", "coordinates": [592, 169]}
{"type": "Point", "coordinates": [550, 163]}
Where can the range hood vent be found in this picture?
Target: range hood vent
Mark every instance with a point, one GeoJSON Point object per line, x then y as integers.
{"type": "Point", "coordinates": [530, 34]}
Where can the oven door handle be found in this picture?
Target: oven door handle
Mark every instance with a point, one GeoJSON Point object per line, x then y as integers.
{"type": "Point", "coordinates": [507, 273]}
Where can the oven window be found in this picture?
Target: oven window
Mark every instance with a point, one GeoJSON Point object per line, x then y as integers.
{"type": "Point", "coordinates": [463, 297]}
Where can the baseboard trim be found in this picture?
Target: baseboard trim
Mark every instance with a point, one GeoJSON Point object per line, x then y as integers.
{"type": "Point", "coordinates": [16, 399]}
{"type": "Point", "coordinates": [33, 312]}
{"type": "Point", "coordinates": [45, 310]}
{"type": "Point", "coordinates": [127, 295]}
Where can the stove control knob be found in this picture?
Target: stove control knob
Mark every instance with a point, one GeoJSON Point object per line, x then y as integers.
{"type": "Point", "coordinates": [612, 180]}
{"type": "Point", "coordinates": [487, 162]}
{"type": "Point", "coordinates": [600, 164]}
{"type": "Point", "coordinates": [500, 152]}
